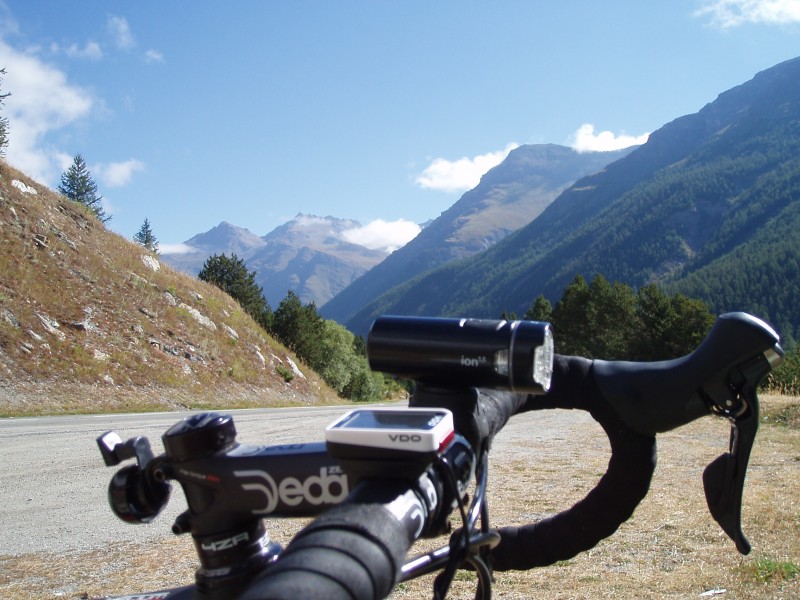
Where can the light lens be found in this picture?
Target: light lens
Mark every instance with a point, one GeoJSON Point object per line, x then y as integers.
{"type": "Point", "coordinates": [543, 361]}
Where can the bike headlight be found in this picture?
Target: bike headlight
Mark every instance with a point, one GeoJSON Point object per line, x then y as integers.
{"type": "Point", "coordinates": [498, 354]}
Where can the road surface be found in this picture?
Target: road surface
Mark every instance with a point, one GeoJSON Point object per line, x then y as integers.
{"type": "Point", "coordinates": [53, 482]}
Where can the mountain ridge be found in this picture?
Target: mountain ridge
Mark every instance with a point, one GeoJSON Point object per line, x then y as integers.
{"type": "Point", "coordinates": [508, 196]}
{"type": "Point", "coordinates": [646, 217]}
{"type": "Point", "coordinates": [307, 255]}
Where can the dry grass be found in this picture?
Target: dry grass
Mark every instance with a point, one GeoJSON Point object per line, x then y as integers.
{"type": "Point", "coordinates": [670, 548]}
{"type": "Point", "coordinates": [81, 308]}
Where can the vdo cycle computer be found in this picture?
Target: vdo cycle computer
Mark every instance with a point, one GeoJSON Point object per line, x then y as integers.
{"type": "Point", "coordinates": [390, 433]}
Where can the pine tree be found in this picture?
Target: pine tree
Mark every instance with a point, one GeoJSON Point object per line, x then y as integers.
{"type": "Point", "coordinates": [600, 320]}
{"type": "Point", "coordinates": [571, 318]}
{"type": "Point", "coordinates": [146, 237]}
{"type": "Point", "coordinates": [301, 328]}
{"type": "Point", "coordinates": [232, 277]}
{"type": "Point", "coordinates": [3, 121]}
{"type": "Point", "coordinates": [540, 310]}
{"type": "Point", "coordinates": [77, 185]}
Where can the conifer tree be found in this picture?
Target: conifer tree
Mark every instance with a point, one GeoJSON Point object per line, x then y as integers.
{"type": "Point", "coordinates": [301, 328]}
{"type": "Point", "coordinates": [600, 320]}
{"type": "Point", "coordinates": [3, 121]}
{"type": "Point", "coordinates": [77, 185]}
{"type": "Point", "coordinates": [146, 237]}
{"type": "Point", "coordinates": [540, 310]}
{"type": "Point", "coordinates": [232, 277]}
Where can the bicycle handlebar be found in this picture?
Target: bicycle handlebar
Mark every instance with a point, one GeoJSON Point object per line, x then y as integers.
{"type": "Point", "coordinates": [353, 551]}
{"type": "Point", "coordinates": [356, 549]}
{"type": "Point", "coordinates": [478, 414]}
{"type": "Point", "coordinates": [634, 401]}
{"type": "Point", "coordinates": [654, 397]}
{"type": "Point", "coordinates": [611, 502]}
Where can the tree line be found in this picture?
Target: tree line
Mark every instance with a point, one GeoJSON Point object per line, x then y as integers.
{"type": "Point", "coordinates": [614, 322]}
{"type": "Point", "coordinates": [337, 355]}
{"type": "Point", "coordinates": [594, 319]}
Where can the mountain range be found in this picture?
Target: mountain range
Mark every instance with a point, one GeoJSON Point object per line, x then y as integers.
{"type": "Point", "coordinates": [308, 255]}
{"type": "Point", "coordinates": [314, 258]}
{"type": "Point", "coordinates": [709, 206]}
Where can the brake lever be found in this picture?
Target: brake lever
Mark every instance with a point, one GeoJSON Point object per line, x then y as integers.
{"type": "Point", "coordinates": [723, 478]}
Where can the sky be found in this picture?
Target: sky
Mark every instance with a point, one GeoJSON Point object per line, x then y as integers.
{"type": "Point", "coordinates": [190, 113]}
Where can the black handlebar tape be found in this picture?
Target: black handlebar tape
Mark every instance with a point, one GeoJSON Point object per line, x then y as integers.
{"type": "Point", "coordinates": [497, 407]}
{"type": "Point", "coordinates": [351, 552]}
{"type": "Point", "coordinates": [478, 414]}
{"type": "Point", "coordinates": [608, 505]}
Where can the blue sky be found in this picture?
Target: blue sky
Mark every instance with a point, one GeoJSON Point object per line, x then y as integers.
{"type": "Point", "coordinates": [189, 113]}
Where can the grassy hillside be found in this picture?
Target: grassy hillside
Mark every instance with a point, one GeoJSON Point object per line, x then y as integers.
{"type": "Point", "coordinates": [92, 322]}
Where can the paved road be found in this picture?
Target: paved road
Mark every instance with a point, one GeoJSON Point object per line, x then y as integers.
{"type": "Point", "coordinates": [53, 482]}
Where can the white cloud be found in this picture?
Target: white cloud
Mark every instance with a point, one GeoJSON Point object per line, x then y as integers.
{"type": "Point", "coordinates": [90, 51]}
{"type": "Point", "coordinates": [732, 13]}
{"type": "Point", "coordinates": [8, 25]}
{"type": "Point", "coordinates": [302, 220]}
{"type": "Point", "coordinates": [153, 56]}
{"type": "Point", "coordinates": [586, 140]}
{"type": "Point", "coordinates": [462, 174]}
{"type": "Point", "coordinates": [121, 32]}
{"type": "Point", "coordinates": [383, 235]}
{"type": "Point", "coordinates": [41, 101]}
{"type": "Point", "coordinates": [62, 160]}
{"type": "Point", "coordinates": [118, 174]}
{"type": "Point", "coordinates": [176, 249]}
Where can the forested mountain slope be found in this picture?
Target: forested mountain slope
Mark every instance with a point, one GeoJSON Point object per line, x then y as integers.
{"type": "Point", "coordinates": [710, 199]}
{"type": "Point", "coordinates": [508, 196]}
